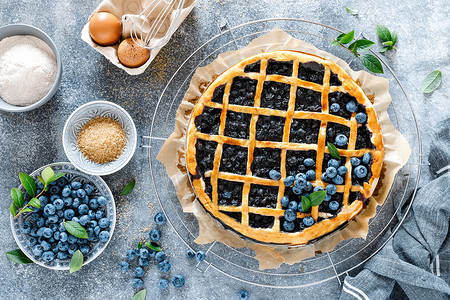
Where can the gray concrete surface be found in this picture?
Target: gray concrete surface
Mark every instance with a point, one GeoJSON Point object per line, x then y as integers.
{"type": "Point", "coordinates": [30, 140]}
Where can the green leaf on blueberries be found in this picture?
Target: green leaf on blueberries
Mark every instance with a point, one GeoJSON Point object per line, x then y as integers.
{"type": "Point", "coordinates": [432, 82]}
{"type": "Point", "coordinates": [384, 33]}
{"type": "Point", "coordinates": [352, 11]}
{"type": "Point", "coordinates": [48, 175]}
{"type": "Point", "coordinates": [153, 246]}
{"type": "Point", "coordinates": [333, 150]}
{"type": "Point", "coordinates": [35, 202]}
{"type": "Point", "coordinates": [17, 197]}
{"type": "Point", "coordinates": [306, 204]}
{"type": "Point", "coordinates": [57, 176]}
{"type": "Point", "coordinates": [139, 246]}
{"type": "Point", "coordinates": [41, 180]}
{"type": "Point", "coordinates": [26, 209]}
{"type": "Point", "coordinates": [28, 184]}
{"type": "Point", "coordinates": [76, 229]}
{"type": "Point", "coordinates": [372, 63]}
{"type": "Point", "coordinates": [76, 262]}
{"type": "Point", "coordinates": [128, 188]}
{"type": "Point", "coordinates": [348, 37]}
{"type": "Point", "coordinates": [140, 295]}
{"type": "Point", "coordinates": [18, 257]}
{"type": "Point", "coordinates": [13, 209]}
{"type": "Point", "coordinates": [360, 46]}
{"type": "Point", "coordinates": [317, 197]}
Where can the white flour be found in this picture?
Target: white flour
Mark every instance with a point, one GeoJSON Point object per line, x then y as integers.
{"type": "Point", "coordinates": [27, 69]}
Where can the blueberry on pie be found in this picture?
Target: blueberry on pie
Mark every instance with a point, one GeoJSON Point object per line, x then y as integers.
{"type": "Point", "coordinates": [257, 147]}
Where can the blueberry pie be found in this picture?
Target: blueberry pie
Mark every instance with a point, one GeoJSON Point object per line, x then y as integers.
{"type": "Point", "coordinates": [266, 134]}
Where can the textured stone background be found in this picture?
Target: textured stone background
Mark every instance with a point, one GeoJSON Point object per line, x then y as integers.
{"type": "Point", "coordinates": [32, 139]}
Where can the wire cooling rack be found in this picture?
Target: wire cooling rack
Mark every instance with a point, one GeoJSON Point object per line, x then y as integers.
{"type": "Point", "coordinates": [240, 264]}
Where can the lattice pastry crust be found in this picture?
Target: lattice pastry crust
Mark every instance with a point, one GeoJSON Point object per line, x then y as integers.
{"type": "Point", "coordinates": [258, 71]}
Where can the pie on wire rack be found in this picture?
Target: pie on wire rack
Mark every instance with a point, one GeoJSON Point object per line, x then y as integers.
{"type": "Point", "coordinates": [258, 141]}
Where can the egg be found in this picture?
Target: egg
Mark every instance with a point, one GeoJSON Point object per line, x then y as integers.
{"type": "Point", "coordinates": [105, 29]}
{"type": "Point", "coordinates": [131, 54]}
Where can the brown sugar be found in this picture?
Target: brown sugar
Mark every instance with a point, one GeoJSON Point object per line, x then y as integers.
{"type": "Point", "coordinates": [102, 140]}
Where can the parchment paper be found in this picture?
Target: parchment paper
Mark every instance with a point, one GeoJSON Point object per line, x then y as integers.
{"type": "Point", "coordinates": [172, 154]}
{"type": "Point", "coordinates": [128, 11]}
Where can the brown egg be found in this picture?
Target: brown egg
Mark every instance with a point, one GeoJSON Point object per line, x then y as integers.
{"type": "Point", "coordinates": [105, 29]}
{"type": "Point", "coordinates": [131, 54]}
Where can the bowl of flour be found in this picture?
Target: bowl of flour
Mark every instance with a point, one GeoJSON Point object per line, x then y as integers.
{"type": "Point", "coordinates": [30, 68]}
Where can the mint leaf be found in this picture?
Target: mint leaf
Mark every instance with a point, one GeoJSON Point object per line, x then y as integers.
{"type": "Point", "coordinates": [76, 262]}
{"type": "Point", "coordinates": [76, 229]}
{"type": "Point", "coordinates": [47, 175]}
{"type": "Point", "coordinates": [317, 197]}
{"type": "Point", "coordinates": [348, 37]}
{"type": "Point", "coordinates": [13, 209]}
{"type": "Point", "coordinates": [139, 246]}
{"type": "Point", "coordinates": [352, 11]}
{"type": "Point", "coordinates": [383, 33]}
{"type": "Point", "coordinates": [431, 82]}
{"type": "Point", "coordinates": [333, 150]}
{"type": "Point", "coordinates": [35, 202]}
{"type": "Point", "coordinates": [18, 257]}
{"type": "Point", "coordinates": [17, 197]}
{"type": "Point", "coordinates": [384, 49]}
{"type": "Point", "coordinates": [28, 184]}
{"type": "Point", "coordinates": [153, 246]}
{"type": "Point", "coordinates": [306, 204]}
{"type": "Point", "coordinates": [27, 209]}
{"type": "Point", "coordinates": [360, 46]}
{"type": "Point", "coordinates": [57, 176]}
{"type": "Point", "coordinates": [140, 295]}
{"type": "Point", "coordinates": [128, 188]}
{"type": "Point", "coordinates": [389, 43]}
{"type": "Point", "coordinates": [394, 37]}
{"type": "Point", "coordinates": [372, 63]}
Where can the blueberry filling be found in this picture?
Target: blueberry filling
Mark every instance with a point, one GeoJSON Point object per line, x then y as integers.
{"type": "Point", "coordinates": [334, 80]}
{"type": "Point", "coordinates": [360, 181]}
{"type": "Point", "coordinates": [311, 71]}
{"type": "Point", "coordinates": [218, 94]}
{"type": "Point", "coordinates": [308, 100]}
{"type": "Point", "coordinates": [229, 192]}
{"type": "Point", "coordinates": [242, 91]}
{"type": "Point", "coordinates": [254, 67]}
{"type": "Point", "coordinates": [354, 196]}
{"type": "Point", "coordinates": [265, 160]}
{"type": "Point", "coordinates": [259, 221]}
{"type": "Point", "coordinates": [234, 159]}
{"type": "Point", "coordinates": [363, 138]}
{"type": "Point", "coordinates": [237, 125]}
{"type": "Point", "coordinates": [209, 121]}
{"type": "Point", "coordinates": [342, 99]}
{"type": "Point", "coordinates": [279, 67]}
{"type": "Point", "coordinates": [304, 131]}
{"type": "Point", "coordinates": [275, 95]}
{"type": "Point", "coordinates": [263, 196]}
{"type": "Point", "coordinates": [208, 186]}
{"type": "Point", "coordinates": [235, 215]}
{"type": "Point", "coordinates": [333, 130]}
{"type": "Point", "coordinates": [205, 151]}
{"type": "Point", "coordinates": [294, 161]}
{"type": "Point", "coordinates": [269, 128]}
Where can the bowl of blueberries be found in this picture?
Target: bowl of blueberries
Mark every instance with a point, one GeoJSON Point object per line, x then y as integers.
{"type": "Point", "coordinates": [85, 199]}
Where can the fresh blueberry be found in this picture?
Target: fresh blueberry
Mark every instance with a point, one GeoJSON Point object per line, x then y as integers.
{"type": "Point", "coordinates": [160, 256]}
{"type": "Point", "coordinates": [55, 247]}
{"type": "Point", "coordinates": [309, 162]}
{"type": "Point", "coordinates": [48, 256]}
{"type": "Point", "coordinates": [151, 253]}
{"type": "Point", "coordinates": [154, 234]}
{"type": "Point", "coordinates": [93, 204]}
{"type": "Point", "coordinates": [53, 227]}
{"type": "Point", "coordinates": [62, 255]}
{"type": "Point", "coordinates": [290, 215]}
{"type": "Point", "coordinates": [99, 214]}
{"type": "Point", "coordinates": [47, 233]}
{"type": "Point", "coordinates": [40, 185]}
{"type": "Point", "coordinates": [104, 223]}
{"type": "Point", "coordinates": [355, 161]}
{"type": "Point", "coordinates": [367, 158]}
{"type": "Point", "coordinates": [31, 241]}
{"type": "Point", "coordinates": [342, 170]}
{"type": "Point", "coordinates": [226, 195]}
{"type": "Point", "coordinates": [25, 227]}
{"type": "Point", "coordinates": [72, 239]}
{"type": "Point", "coordinates": [57, 235]}
{"type": "Point", "coordinates": [53, 198]}
{"type": "Point", "coordinates": [361, 118]}
{"type": "Point", "coordinates": [331, 172]}
{"type": "Point", "coordinates": [284, 201]}
{"type": "Point", "coordinates": [333, 163]}
{"type": "Point", "coordinates": [59, 204]}
{"type": "Point", "coordinates": [300, 175]}
{"type": "Point", "coordinates": [73, 194]}
{"type": "Point", "coordinates": [76, 185]}
{"type": "Point", "coordinates": [63, 246]}
{"type": "Point", "coordinates": [163, 284]}
{"type": "Point", "coordinates": [318, 188]}
{"type": "Point", "coordinates": [33, 232]}
{"type": "Point", "coordinates": [85, 241]}
{"type": "Point", "coordinates": [200, 256]}
{"type": "Point", "coordinates": [333, 205]}
{"type": "Point", "coordinates": [131, 254]}
{"type": "Point", "coordinates": [351, 106]}
{"type": "Point", "coordinates": [341, 140]}
{"type": "Point", "coordinates": [92, 223]}
{"type": "Point", "coordinates": [160, 218]}
{"type": "Point", "coordinates": [91, 214]}
{"type": "Point", "coordinates": [289, 181]}
{"type": "Point", "coordinates": [137, 283]}
{"type": "Point", "coordinates": [66, 192]}
{"type": "Point", "coordinates": [143, 262]}
{"type": "Point", "coordinates": [62, 182]}
{"type": "Point", "coordinates": [297, 190]}
{"type": "Point", "coordinates": [243, 295]}
{"type": "Point", "coordinates": [190, 253]}
{"type": "Point", "coordinates": [324, 177]}
{"type": "Point", "coordinates": [103, 236]}
{"type": "Point", "coordinates": [331, 189]}
{"type": "Point", "coordinates": [85, 200]}
{"type": "Point", "coordinates": [143, 253]}
{"type": "Point", "coordinates": [310, 175]}
{"type": "Point", "coordinates": [360, 171]}
{"type": "Point", "coordinates": [300, 181]}
{"type": "Point", "coordinates": [178, 281]}
{"type": "Point", "coordinates": [40, 231]}
{"type": "Point", "coordinates": [335, 107]}
{"type": "Point", "coordinates": [101, 201]}
{"type": "Point", "coordinates": [68, 201]}
{"type": "Point", "coordinates": [274, 174]}
{"type": "Point", "coordinates": [164, 266]}
{"type": "Point", "coordinates": [97, 230]}
{"type": "Point", "coordinates": [308, 221]}
{"type": "Point", "coordinates": [46, 245]}
{"type": "Point", "coordinates": [327, 198]}
{"type": "Point", "coordinates": [76, 219]}
{"type": "Point", "coordinates": [83, 209]}
{"type": "Point", "coordinates": [49, 209]}
{"type": "Point", "coordinates": [81, 193]}
{"type": "Point", "coordinates": [88, 188]}
{"type": "Point", "coordinates": [293, 205]}
{"type": "Point", "coordinates": [308, 187]}
{"type": "Point", "coordinates": [54, 189]}
{"type": "Point", "coordinates": [76, 202]}
{"type": "Point", "coordinates": [53, 219]}
{"type": "Point", "coordinates": [288, 226]}
{"type": "Point", "coordinates": [139, 272]}
{"type": "Point", "coordinates": [72, 249]}
{"type": "Point", "coordinates": [63, 237]}
{"type": "Point", "coordinates": [44, 200]}
{"type": "Point", "coordinates": [84, 249]}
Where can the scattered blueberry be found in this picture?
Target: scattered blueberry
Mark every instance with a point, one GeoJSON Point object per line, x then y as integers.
{"type": "Point", "coordinates": [178, 281]}
{"type": "Point", "coordinates": [331, 172]}
{"type": "Point", "coordinates": [284, 201]}
{"type": "Point", "coordinates": [360, 171]}
{"type": "Point", "coordinates": [310, 175]}
{"type": "Point", "coordinates": [200, 255]}
{"type": "Point", "coordinates": [309, 162]}
{"type": "Point", "coordinates": [143, 253]}
{"type": "Point", "coordinates": [351, 106]}
{"type": "Point", "coordinates": [333, 205]}
{"type": "Point", "coordinates": [297, 190]}
{"type": "Point", "coordinates": [361, 118]}
{"type": "Point", "coordinates": [355, 161]}
{"type": "Point", "coordinates": [243, 295]}
{"type": "Point", "coordinates": [190, 253]}
{"type": "Point", "coordinates": [164, 266]}
{"type": "Point", "coordinates": [335, 107]}
{"type": "Point", "coordinates": [333, 163]}
{"type": "Point", "coordinates": [342, 170]}
{"type": "Point", "coordinates": [338, 180]}
{"type": "Point", "coordinates": [308, 221]}
{"type": "Point", "coordinates": [163, 284]}
{"type": "Point", "coordinates": [274, 174]}
{"type": "Point", "coordinates": [341, 140]}
{"type": "Point", "coordinates": [131, 254]}
{"type": "Point", "coordinates": [293, 205]}
{"type": "Point", "coordinates": [290, 215]}
{"type": "Point", "coordinates": [154, 235]}
{"type": "Point", "coordinates": [160, 218]}
{"type": "Point", "coordinates": [367, 158]}
{"type": "Point", "coordinates": [143, 262]}
{"type": "Point", "coordinates": [160, 256]}
{"type": "Point", "coordinates": [331, 189]}
{"type": "Point", "coordinates": [137, 283]}
{"type": "Point", "coordinates": [289, 181]}
{"type": "Point", "coordinates": [139, 272]}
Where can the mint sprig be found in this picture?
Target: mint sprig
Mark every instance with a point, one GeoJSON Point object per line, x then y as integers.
{"type": "Point", "coordinates": [389, 39]}
{"type": "Point", "coordinates": [314, 199]}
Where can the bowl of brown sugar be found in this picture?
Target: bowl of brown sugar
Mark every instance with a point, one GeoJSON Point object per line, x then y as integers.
{"type": "Point", "coordinates": [99, 138]}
